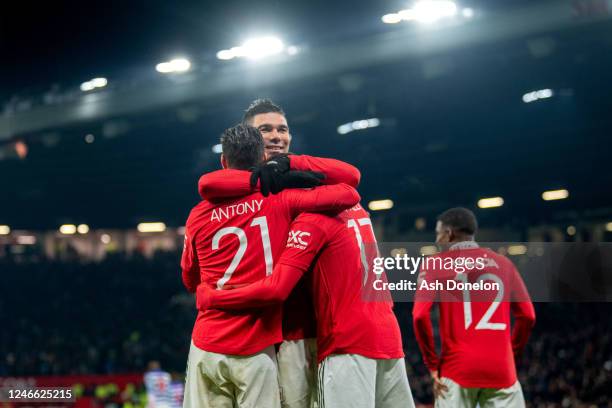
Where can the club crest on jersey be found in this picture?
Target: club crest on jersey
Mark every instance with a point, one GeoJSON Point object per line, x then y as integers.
{"type": "Point", "coordinates": [298, 239]}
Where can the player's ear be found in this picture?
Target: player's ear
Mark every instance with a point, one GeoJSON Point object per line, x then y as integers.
{"type": "Point", "coordinates": [223, 161]}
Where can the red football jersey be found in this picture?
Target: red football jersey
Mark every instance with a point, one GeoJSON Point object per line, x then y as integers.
{"type": "Point", "coordinates": [237, 183]}
{"type": "Point", "coordinates": [342, 248]}
{"type": "Point", "coordinates": [234, 243]}
{"type": "Point", "coordinates": [298, 321]}
{"type": "Point", "coordinates": [477, 345]}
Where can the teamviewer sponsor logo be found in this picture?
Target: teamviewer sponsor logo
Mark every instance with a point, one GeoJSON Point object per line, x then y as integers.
{"type": "Point", "coordinates": [298, 239]}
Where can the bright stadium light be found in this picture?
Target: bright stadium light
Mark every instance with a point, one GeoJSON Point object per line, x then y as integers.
{"type": "Point", "coordinates": [177, 65]}
{"type": "Point", "coordinates": [428, 12]}
{"type": "Point", "coordinates": [151, 227]}
{"type": "Point", "coordinates": [517, 250]}
{"type": "Point", "coordinates": [83, 229]}
{"type": "Point", "coordinates": [467, 12]}
{"type": "Point", "coordinates": [555, 195]}
{"type": "Point", "coordinates": [380, 205]}
{"type": "Point", "coordinates": [490, 202]}
{"type": "Point", "coordinates": [105, 239]}
{"type": "Point", "coordinates": [68, 229]}
{"type": "Point", "coordinates": [257, 48]}
{"type": "Point", "coordinates": [571, 230]}
{"type": "Point", "coordinates": [358, 125]}
{"type": "Point", "coordinates": [391, 18]}
{"type": "Point", "coordinates": [537, 95]}
{"type": "Point", "coordinates": [218, 148]}
{"type": "Point", "coordinates": [609, 227]}
{"type": "Point", "coordinates": [5, 230]}
{"type": "Point", "coordinates": [93, 84]}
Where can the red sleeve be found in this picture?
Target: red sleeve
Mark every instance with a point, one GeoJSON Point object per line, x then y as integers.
{"type": "Point", "coordinates": [304, 242]}
{"type": "Point", "coordinates": [423, 332]}
{"type": "Point", "coordinates": [421, 319]}
{"type": "Point", "coordinates": [524, 314]}
{"type": "Point", "coordinates": [333, 198]}
{"type": "Point", "coordinates": [335, 171]}
{"type": "Point", "coordinates": [225, 183]}
{"type": "Point", "coordinates": [270, 290]}
{"type": "Point", "coordinates": [189, 264]}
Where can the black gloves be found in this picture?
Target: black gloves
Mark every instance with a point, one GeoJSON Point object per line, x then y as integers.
{"type": "Point", "coordinates": [274, 176]}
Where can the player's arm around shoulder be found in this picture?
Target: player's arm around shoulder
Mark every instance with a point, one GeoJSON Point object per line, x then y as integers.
{"type": "Point", "coordinates": [336, 171]}
{"type": "Point", "coordinates": [334, 198]}
{"type": "Point", "coordinates": [225, 183]}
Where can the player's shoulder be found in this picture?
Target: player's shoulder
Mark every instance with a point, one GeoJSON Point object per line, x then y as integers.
{"type": "Point", "coordinates": [197, 211]}
{"type": "Point", "coordinates": [355, 212]}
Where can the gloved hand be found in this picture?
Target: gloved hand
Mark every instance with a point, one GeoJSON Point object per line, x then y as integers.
{"type": "Point", "coordinates": [271, 180]}
{"type": "Point", "coordinates": [269, 172]}
{"type": "Point", "coordinates": [301, 179]}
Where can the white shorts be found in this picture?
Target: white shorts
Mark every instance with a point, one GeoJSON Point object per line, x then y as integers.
{"type": "Point", "coordinates": [224, 381]}
{"type": "Point", "coordinates": [460, 397]}
{"type": "Point", "coordinates": [297, 373]}
{"type": "Point", "coordinates": [354, 381]}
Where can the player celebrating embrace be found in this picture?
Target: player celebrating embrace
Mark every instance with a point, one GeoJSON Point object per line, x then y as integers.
{"type": "Point", "coordinates": [297, 353]}
{"type": "Point", "coordinates": [359, 343]}
{"type": "Point", "coordinates": [477, 366]}
{"type": "Point", "coordinates": [234, 242]}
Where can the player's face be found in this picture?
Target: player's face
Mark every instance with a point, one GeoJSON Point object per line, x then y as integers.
{"type": "Point", "coordinates": [443, 234]}
{"type": "Point", "coordinates": [275, 132]}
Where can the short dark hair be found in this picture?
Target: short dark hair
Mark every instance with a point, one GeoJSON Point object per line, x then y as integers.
{"type": "Point", "coordinates": [460, 219]}
{"type": "Point", "coordinates": [259, 106]}
{"type": "Point", "coordinates": [243, 146]}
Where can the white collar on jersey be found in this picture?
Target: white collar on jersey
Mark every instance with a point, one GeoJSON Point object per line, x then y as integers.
{"type": "Point", "coordinates": [464, 245]}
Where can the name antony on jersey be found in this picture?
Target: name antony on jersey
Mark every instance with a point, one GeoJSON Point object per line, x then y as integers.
{"type": "Point", "coordinates": [229, 211]}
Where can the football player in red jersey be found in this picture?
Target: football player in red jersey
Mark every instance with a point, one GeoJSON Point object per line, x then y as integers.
{"type": "Point", "coordinates": [297, 354]}
{"type": "Point", "coordinates": [476, 366]}
{"type": "Point", "coordinates": [233, 242]}
{"type": "Point", "coordinates": [359, 342]}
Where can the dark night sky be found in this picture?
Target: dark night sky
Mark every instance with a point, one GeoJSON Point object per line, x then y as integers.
{"type": "Point", "coordinates": [67, 42]}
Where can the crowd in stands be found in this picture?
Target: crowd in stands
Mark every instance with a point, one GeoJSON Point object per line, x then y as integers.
{"type": "Point", "coordinates": [114, 316]}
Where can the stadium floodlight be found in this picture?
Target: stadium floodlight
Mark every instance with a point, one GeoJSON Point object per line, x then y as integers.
{"type": "Point", "coordinates": [391, 18]}
{"type": "Point", "coordinates": [571, 230]}
{"type": "Point", "coordinates": [358, 125]}
{"type": "Point", "coordinates": [428, 12]}
{"type": "Point", "coordinates": [429, 250]}
{"type": "Point", "coordinates": [5, 230]}
{"type": "Point", "coordinates": [380, 205]}
{"type": "Point", "coordinates": [218, 148]}
{"type": "Point", "coordinates": [555, 195]}
{"type": "Point", "coordinates": [151, 227]}
{"type": "Point", "coordinates": [93, 84]}
{"type": "Point", "coordinates": [490, 202]}
{"type": "Point", "coordinates": [83, 229]}
{"type": "Point", "coordinates": [467, 12]}
{"type": "Point", "coordinates": [537, 95]}
{"type": "Point", "coordinates": [68, 229]}
{"type": "Point", "coordinates": [609, 227]}
{"type": "Point", "coordinates": [105, 238]}
{"type": "Point", "coordinates": [517, 249]}
{"type": "Point", "coordinates": [257, 48]}
{"type": "Point", "coordinates": [174, 66]}
{"type": "Point", "coordinates": [26, 240]}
